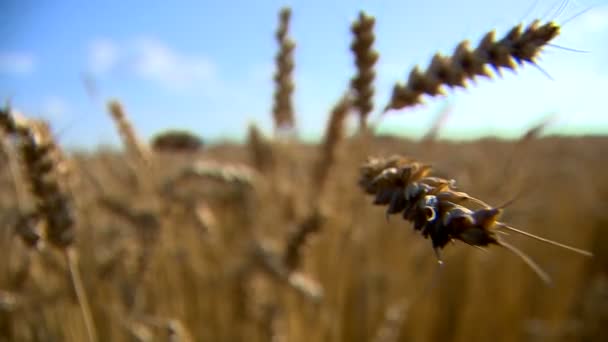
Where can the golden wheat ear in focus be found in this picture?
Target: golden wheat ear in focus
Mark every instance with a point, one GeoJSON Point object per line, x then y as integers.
{"type": "Point", "coordinates": [517, 47]}
{"type": "Point", "coordinates": [437, 210]}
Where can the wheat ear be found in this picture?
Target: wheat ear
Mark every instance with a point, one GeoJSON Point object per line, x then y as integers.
{"type": "Point", "coordinates": [365, 59]}
{"type": "Point", "coordinates": [127, 133]}
{"type": "Point", "coordinates": [517, 47]}
{"type": "Point", "coordinates": [439, 212]}
{"type": "Point", "coordinates": [38, 153]}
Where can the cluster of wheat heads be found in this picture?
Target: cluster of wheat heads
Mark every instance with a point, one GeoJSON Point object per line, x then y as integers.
{"type": "Point", "coordinates": [519, 46]}
{"type": "Point", "coordinates": [430, 202]}
{"type": "Point", "coordinates": [233, 183]}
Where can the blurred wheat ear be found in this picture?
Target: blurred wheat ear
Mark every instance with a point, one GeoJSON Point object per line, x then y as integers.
{"type": "Point", "coordinates": [282, 110]}
{"type": "Point", "coordinates": [365, 60]}
{"type": "Point", "coordinates": [134, 147]}
{"type": "Point", "coordinates": [42, 165]}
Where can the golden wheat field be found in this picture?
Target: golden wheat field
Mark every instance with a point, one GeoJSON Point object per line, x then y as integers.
{"type": "Point", "coordinates": [362, 237]}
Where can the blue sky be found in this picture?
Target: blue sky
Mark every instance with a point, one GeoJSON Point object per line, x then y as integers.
{"type": "Point", "coordinates": [207, 65]}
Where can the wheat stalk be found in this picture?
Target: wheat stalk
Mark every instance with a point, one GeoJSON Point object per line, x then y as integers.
{"type": "Point", "coordinates": [334, 133]}
{"type": "Point", "coordinates": [311, 224]}
{"type": "Point", "coordinates": [270, 263]}
{"type": "Point", "coordinates": [296, 239]}
{"type": "Point", "coordinates": [260, 149]}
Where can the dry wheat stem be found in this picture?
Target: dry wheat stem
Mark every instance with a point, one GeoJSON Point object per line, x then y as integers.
{"type": "Point", "coordinates": [71, 258]}
{"type": "Point", "coordinates": [438, 123]}
{"type": "Point", "coordinates": [20, 193]}
{"type": "Point", "coordinates": [260, 149]}
{"type": "Point", "coordinates": [334, 133]}
{"type": "Point", "coordinates": [296, 239]}
{"type": "Point", "coordinates": [270, 263]}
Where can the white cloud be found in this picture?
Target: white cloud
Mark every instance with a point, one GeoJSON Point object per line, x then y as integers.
{"type": "Point", "coordinates": [55, 107]}
{"type": "Point", "coordinates": [587, 30]}
{"type": "Point", "coordinates": [156, 61]}
{"type": "Point", "coordinates": [17, 63]}
{"type": "Point", "coordinates": [153, 60]}
{"type": "Point", "coordinates": [103, 56]}
{"type": "Point", "coordinates": [594, 21]}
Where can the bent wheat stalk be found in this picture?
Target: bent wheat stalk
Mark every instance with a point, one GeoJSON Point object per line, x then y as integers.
{"type": "Point", "coordinates": [437, 210]}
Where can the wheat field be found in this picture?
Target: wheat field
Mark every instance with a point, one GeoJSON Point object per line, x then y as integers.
{"type": "Point", "coordinates": [275, 239]}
